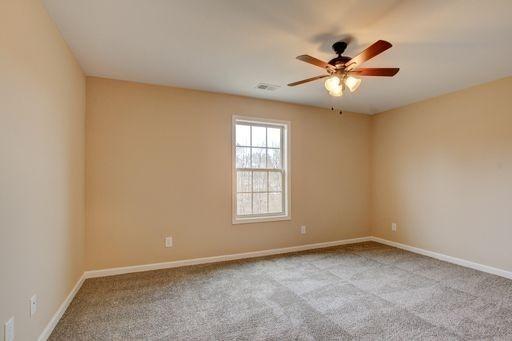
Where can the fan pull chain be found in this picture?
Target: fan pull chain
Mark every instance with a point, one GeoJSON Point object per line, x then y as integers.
{"type": "Point", "coordinates": [333, 107]}
{"type": "Point", "coordinates": [340, 111]}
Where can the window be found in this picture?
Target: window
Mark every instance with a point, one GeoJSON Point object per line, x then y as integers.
{"type": "Point", "coordinates": [260, 170]}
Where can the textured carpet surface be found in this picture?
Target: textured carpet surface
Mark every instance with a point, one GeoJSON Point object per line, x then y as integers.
{"type": "Point", "coordinates": [364, 291]}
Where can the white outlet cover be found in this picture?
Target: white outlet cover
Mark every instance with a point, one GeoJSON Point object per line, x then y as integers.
{"type": "Point", "coordinates": [168, 241]}
{"type": "Point", "coordinates": [33, 305]}
{"type": "Point", "coordinates": [393, 226]}
{"type": "Point", "coordinates": [9, 330]}
{"type": "Point", "coordinates": [303, 229]}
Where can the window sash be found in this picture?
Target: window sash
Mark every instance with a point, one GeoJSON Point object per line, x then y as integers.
{"type": "Point", "coordinates": [268, 192]}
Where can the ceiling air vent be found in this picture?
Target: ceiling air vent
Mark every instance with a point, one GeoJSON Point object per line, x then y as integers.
{"type": "Point", "coordinates": [267, 87]}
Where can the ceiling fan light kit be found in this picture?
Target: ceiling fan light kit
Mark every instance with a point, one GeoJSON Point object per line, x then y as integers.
{"type": "Point", "coordinates": [342, 69]}
{"type": "Point", "coordinates": [335, 86]}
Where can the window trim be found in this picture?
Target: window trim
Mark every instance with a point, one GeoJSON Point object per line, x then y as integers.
{"type": "Point", "coordinates": [286, 159]}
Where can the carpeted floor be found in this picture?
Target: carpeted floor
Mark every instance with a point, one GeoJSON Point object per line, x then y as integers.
{"type": "Point", "coordinates": [364, 291]}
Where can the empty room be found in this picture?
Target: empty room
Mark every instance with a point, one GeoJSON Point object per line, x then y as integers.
{"type": "Point", "coordinates": [255, 170]}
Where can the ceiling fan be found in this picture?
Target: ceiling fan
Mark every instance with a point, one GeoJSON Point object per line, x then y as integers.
{"type": "Point", "coordinates": [341, 71]}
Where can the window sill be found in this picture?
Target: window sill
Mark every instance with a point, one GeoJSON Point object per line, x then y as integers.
{"type": "Point", "coordinates": [237, 221]}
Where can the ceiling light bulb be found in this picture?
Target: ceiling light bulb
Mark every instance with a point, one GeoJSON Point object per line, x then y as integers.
{"type": "Point", "coordinates": [337, 92]}
{"type": "Point", "coordinates": [352, 83]}
{"type": "Point", "coordinates": [332, 83]}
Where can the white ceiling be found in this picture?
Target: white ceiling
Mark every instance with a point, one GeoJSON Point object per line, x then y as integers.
{"type": "Point", "coordinates": [229, 46]}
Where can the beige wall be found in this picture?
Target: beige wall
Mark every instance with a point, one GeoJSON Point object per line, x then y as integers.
{"type": "Point", "coordinates": [42, 108]}
{"type": "Point", "coordinates": [158, 164]}
{"type": "Point", "coordinates": [442, 170]}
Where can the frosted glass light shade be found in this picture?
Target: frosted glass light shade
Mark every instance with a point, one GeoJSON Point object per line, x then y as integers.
{"type": "Point", "coordinates": [332, 83]}
{"type": "Point", "coordinates": [352, 83]}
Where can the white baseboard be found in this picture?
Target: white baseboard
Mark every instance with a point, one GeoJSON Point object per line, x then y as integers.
{"type": "Point", "coordinates": [62, 308]}
{"type": "Point", "coordinates": [174, 264]}
{"type": "Point", "coordinates": [215, 259]}
{"type": "Point", "coordinates": [223, 258]}
{"type": "Point", "coordinates": [449, 259]}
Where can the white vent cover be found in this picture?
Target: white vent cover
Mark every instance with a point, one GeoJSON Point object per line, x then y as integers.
{"type": "Point", "coordinates": [267, 87]}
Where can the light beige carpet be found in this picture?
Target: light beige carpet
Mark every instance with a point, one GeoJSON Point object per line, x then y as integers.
{"type": "Point", "coordinates": [364, 291]}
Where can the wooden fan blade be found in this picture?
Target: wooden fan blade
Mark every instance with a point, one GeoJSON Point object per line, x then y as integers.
{"type": "Point", "coordinates": [378, 71]}
{"type": "Point", "coordinates": [307, 80]}
{"type": "Point", "coordinates": [375, 49]}
{"type": "Point", "coordinates": [314, 61]}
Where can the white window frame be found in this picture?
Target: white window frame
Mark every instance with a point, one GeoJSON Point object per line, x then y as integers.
{"type": "Point", "coordinates": [286, 151]}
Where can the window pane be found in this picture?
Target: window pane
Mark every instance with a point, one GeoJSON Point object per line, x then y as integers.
{"type": "Point", "coordinates": [243, 157]}
{"type": "Point", "coordinates": [259, 181]}
{"type": "Point", "coordinates": [275, 202]}
{"type": "Point", "coordinates": [243, 203]}
{"type": "Point", "coordinates": [275, 182]}
{"type": "Point", "coordinates": [274, 158]}
{"type": "Point", "coordinates": [259, 203]}
{"type": "Point", "coordinates": [243, 135]}
{"type": "Point", "coordinates": [274, 137]}
{"type": "Point", "coordinates": [243, 181]}
{"type": "Point", "coordinates": [258, 158]}
{"type": "Point", "coordinates": [259, 136]}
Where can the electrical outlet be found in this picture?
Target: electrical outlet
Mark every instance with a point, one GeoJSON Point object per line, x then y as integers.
{"type": "Point", "coordinates": [9, 330]}
{"type": "Point", "coordinates": [303, 229]}
{"type": "Point", "coordinates": [393, 227]}
{"type": "Point", "coordinates": [33, 305]}
{"type": "Point", "coordinates": [168, 241]}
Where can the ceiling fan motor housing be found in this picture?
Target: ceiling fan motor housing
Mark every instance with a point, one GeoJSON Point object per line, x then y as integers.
{"type": "Point", "coordinates": [340, 60]}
